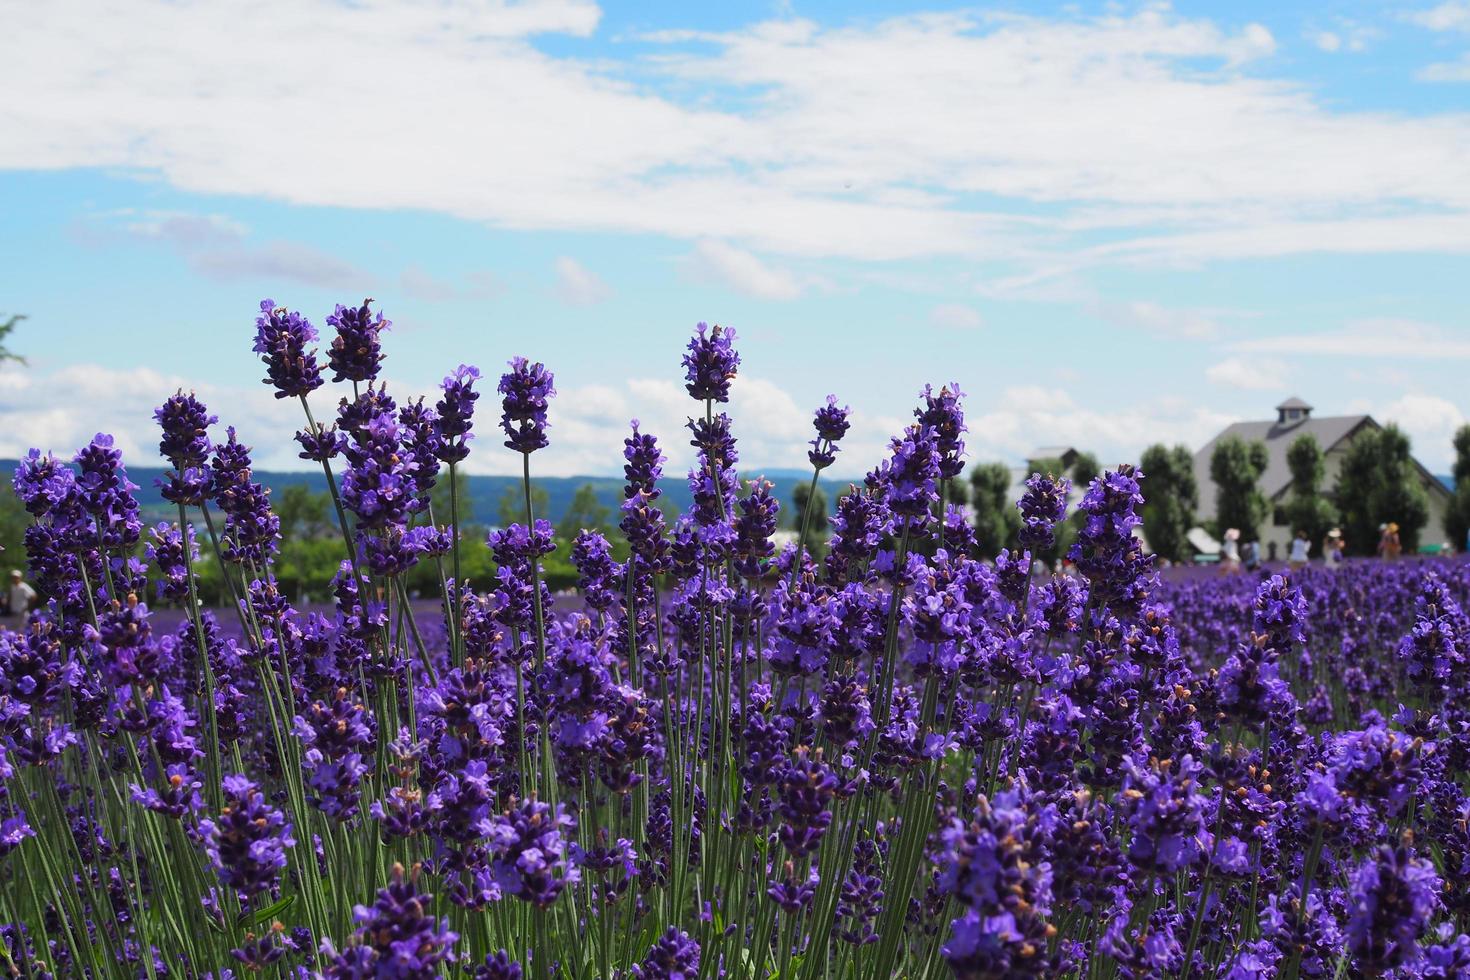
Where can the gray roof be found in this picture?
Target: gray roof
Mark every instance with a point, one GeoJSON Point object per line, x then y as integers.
{"type": "Point", "coordinates": [1278, 437]}
{"type": "Point", "coordinates": [1294, 403]}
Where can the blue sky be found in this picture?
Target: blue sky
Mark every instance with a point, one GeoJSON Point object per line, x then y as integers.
{"type": "Point", "coordinates": [1112, 224]}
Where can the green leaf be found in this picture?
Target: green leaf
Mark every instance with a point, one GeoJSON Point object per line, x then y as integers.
{"type": "Point", "coordinates": [266, 914]}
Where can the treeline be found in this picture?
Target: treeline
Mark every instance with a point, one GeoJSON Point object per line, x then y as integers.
{"type": "Point", "coordinates": [1378, 483]}
{"type": "Point", "coordinates": [311, 548]}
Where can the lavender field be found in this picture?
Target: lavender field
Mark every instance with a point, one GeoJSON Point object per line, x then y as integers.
{"type": "Point", "coordinates": [889, 749]}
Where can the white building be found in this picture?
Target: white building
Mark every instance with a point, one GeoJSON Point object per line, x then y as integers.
{"type": "Point", "coordinates": [1334, 434]}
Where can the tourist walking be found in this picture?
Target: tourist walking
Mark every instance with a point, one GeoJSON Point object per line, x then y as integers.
{"type": "Point", "coordinates": [1230, 552]}
{"type": "Point", "coordinates": [1332, 549]}
{"type": "Point", "coordinates": [1389, 545]}
{"type": "Point", "coordinates": [1250, 554]}
{"type": "Point", "coordinates": [1300, 548]}
{"type": "Point", "coordinates": [19, 599]}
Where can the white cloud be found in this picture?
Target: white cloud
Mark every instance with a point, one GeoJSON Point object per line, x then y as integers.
{"type": "Point", "coordinates": [1344, 36]}
{"type": "Point", "coordinates": [1021, 418]}
{"type": "Point", "coordinates": [183, 228]}
{"type": "Point", "coordinates": [588, 424]}
{"type": "Point", "coordinates": [1255, 373]}
{"type": "Point", "coordinates": [421, 284]}
{"type": "Point", "coordinates": [1329, 41]}
{"type": "Point", "coordinates": [956, 316]}
{"type": "Point", "coordinates": [1372, 338]}
{"type": "Point", "coordinates": [743, 271]}
{"type": "Point", "coordinates": [1430, 423]}
{"type": "Point", "coordinates": [577, 285]}
{"type": "Point", "coordinates": [220, 248]}
{"type": "Point", "coordinates": [279, 261]}
{"type": "Point", "coordinates": [1446, 71]}
{"type": "Point", "coordinates": [1453, 15]}
{"type": "Point", "coordinates": [1162, 321]}
{"type": "Point", "coordinates": [60, 410]}
{"type": "Point", "coordinates": [782, 136]}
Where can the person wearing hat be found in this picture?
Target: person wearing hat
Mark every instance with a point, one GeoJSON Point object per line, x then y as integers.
{"type": "Point", "coordinates": [1392, 546]}
{"type": "Point", "coordinates": [1332, 548]}
{"type": "Point", "coordinates": [1230, 552]}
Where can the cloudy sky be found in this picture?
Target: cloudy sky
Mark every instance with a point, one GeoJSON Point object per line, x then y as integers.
{"type": "Point", "coordinates": [1110, 223]}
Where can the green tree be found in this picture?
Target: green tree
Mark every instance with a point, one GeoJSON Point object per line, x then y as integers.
{"type": "Point", "coordinates": [584, 513]}
{"type": "Point", "coordinates": [511, 507]}
{"type": "Point", "coordinates": [1170, 499]}
{"type": "Point", "coordinates": [1235, 467]}
{"type": "Point", "coordinates": [464, 504]}
{"type": "Point", "coordinates": [6, 329]}
{"type": "Point", "coordinates": [1307, 509]}
{"type": "Point", "coordinates": [305, 566]}
{"type": "Point", "coordinates": [304, 512]}
{"type": "Point", "coordinates": [1457, 519]}
{"type": "Point", "coordinates": [1050, 465]}
{"type": "Point", "coordinates": [13, 517]}
{"type": "Point", "coordinates": [1377, 484]}
{"type": "Point", "coordinates": [13, 523]}
{"type": "Point", "coordinates": [996, 517]}
{"type": "Point", "coordinates": [1085, 469]}
{"type": "Point", "coordinates": [816, 528]}
{"type": "Point", "coordinates": [311, 548]}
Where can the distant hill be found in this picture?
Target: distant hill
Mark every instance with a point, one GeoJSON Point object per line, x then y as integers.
{"type": "Point", "coordinates": [484, 491]}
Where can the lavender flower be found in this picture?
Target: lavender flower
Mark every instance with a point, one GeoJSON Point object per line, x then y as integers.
{"type": "Point", "coordinates": [711, 363]}
{"type": "Point", "coordinates": [185, 423]}
{"type": "Point", "coordinates": [831, 425]}
{"type": "Point", "coordinates": [942, 413]}
{"type": "Point", "coordinates": [396, 936]}
{"type": "Point", "coordinates": [321, 444]}
{"type": "Point", "coordinates": [14, 830]}
{"type": "Point", "coordinates": [173, 551]}
{"type": "Point", "coordinates": [455, 412]}
{"type": "Point", "coordinates": [379, 484]}
{"type": "Point", "coordinates": [247, 842]}
{"type": "Point", "coordinates": [106, 493]}
{"type": "Point", "coordinates": [908, 476]}
{"type": "Point", "coordinates": [251, 529]}
{"type": "Point", "coordinates": [529, 852]}
{"type": "Point", "coordinates": [674, 957]}
{"type": "Point", "coordinates": [1043, 506]}
{"type": "Point", "coordinates": [1393, 896]}
{"type": "Point", "coordinates": [356, 352]}
{"type": "Point", "coordinates": [995, 868]}
{"type": "Point", "coordinates": [42, 482]}
{"type": "Point", "coordinates": [498, 966]}
{"type": "Point", "coordinates": [527, 389]}
{"type": "Point", "coordinates": [807, 788]}
{"type": "Point", "coordinates": [1106, 551]}
{"type": "Point", "coordinates": [281, 338]}
{"type": "Point", "coordinates": [336, 735]}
